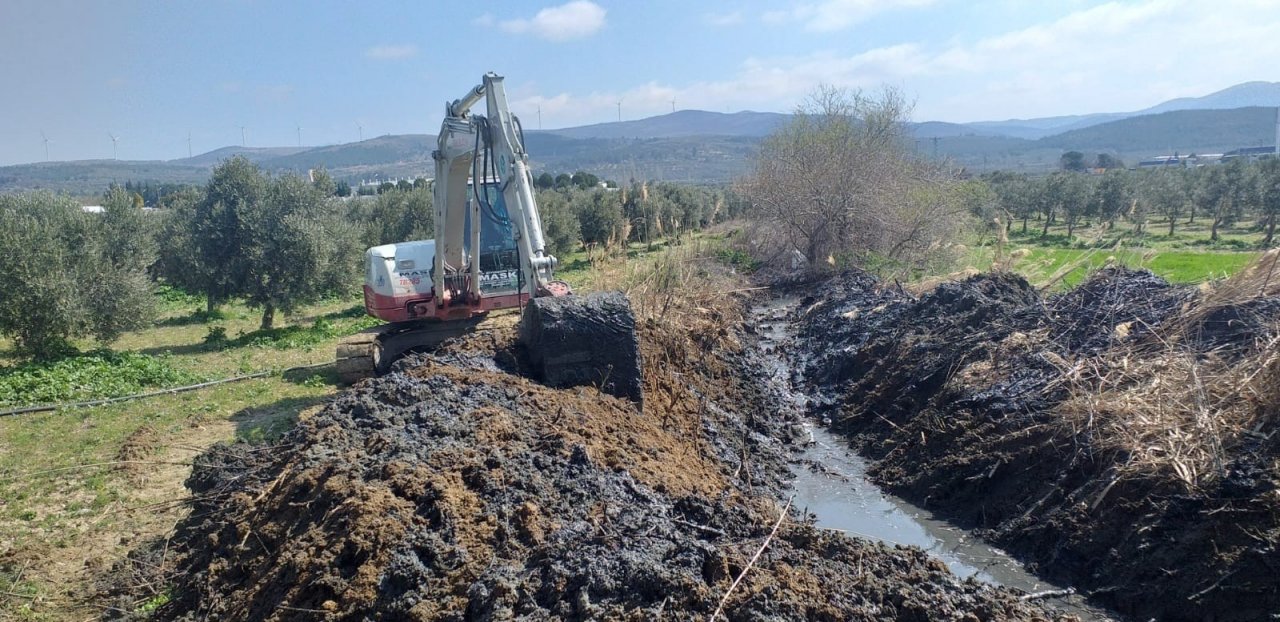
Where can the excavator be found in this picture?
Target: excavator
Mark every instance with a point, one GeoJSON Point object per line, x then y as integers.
{"type": "Point", "coordinates": [488, 253]}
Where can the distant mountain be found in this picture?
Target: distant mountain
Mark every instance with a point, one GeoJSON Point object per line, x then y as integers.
{"type": "Point", "coordinates": [92, 177]}
{"type": "Point", "coordinates": [1246, 94]}
{"type": "Point", "coordinates": [1185, 131]}
{"type": "Point", "coordinates": [254, 154]}
{"type": "Point", "coordinates": [702, 146]}
{"type": "Point", "coordinates": [399, 148]}
{"type": "Point", "coordinates": [680, 123]}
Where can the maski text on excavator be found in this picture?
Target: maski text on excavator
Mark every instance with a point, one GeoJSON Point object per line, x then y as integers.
{"type": "Point", "coordinates": [500, 276]}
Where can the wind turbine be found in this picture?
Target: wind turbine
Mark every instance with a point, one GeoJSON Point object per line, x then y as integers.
{"type": "Point", "coordinates": [46, 145]}
{"type": "Point", "coordinates": [673, 104]}
{"type": "Point", "coordinates": [361, 128]}
{"type": "Point", "coordinates": [243, 141]}
{"type": "Point", "coordinates": [539, 116]}
{"type": "Point", "coordinates": [619, 111]}
{"type": "Point", "coordinates": [299, 136]}
{"type": "Point", "coordinates": [188, 143]}
{"type": "Point", "coordinates": [114, 140]}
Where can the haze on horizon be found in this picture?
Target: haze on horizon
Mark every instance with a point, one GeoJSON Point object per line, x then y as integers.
{"type": "Point", "coordinates": [155, 74]}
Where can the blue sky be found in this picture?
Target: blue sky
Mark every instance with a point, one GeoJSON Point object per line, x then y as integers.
{"type": "Point", "coordinates": [152, 72]}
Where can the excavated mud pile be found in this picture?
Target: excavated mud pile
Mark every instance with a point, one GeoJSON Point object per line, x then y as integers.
{"type": "Point", "coordinates": [960, 395]}
{"type": "Point", "coordinates": [454, 489]}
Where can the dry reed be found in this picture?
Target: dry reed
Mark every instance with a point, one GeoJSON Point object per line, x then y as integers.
{"type": "Point", "coordinates": [1167, 405]}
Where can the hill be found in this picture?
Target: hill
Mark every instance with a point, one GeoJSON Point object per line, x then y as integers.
{"type": "Point", "coordinates": [681, 123]}
{"type": "Point", "coordinates": [1243, 95]}
{"type": "Point", "coordinates": [254, 154]}
{"type": "Point", "coordinates": [1185, 131]}
{"type": "Point", "coordinates": [401, 148]}
{"type": "Point", "coordinates": [91, 177]}
{"type": "Point", "coordinates": [712, 147]}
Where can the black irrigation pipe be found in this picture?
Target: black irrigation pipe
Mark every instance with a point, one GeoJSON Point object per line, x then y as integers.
{"type": "Point", "coordinates": [137, 396]}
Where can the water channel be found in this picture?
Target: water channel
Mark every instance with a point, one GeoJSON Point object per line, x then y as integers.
{"type": "Point", "coordinates": [832, 484]}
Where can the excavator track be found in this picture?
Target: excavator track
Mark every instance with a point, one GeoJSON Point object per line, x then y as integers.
{"type": "Point", "coordinates": [358, 355]}
{"type": "Point", "coordinates": [372, 351]}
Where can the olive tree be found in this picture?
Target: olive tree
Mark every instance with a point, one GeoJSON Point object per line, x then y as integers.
{"type": "Point", "coordinates": [66, 274]}
{"type": "Point", "coordinates": [277, 242]}
{"type": "Point", "coordinates": [1268, 198]}
{"type": "Point", "coordinates": [1224, 192]}
{"type": "Point", "coordinates": [297, 249]}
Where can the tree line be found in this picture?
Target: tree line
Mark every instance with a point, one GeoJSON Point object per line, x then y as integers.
{"type": "Point", "coordinates": [1224, 195]}
{"type": "Point", "coordinates": [277, 242]}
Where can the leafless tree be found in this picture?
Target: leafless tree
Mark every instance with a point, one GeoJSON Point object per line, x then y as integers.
{"type": "Point", "coordinates": [840, 180]}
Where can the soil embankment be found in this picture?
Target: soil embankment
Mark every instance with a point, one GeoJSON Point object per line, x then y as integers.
{"type": "Point", "coordinates": [1119, 437]}
{"type": "Point", "coordinates": [455, 489]}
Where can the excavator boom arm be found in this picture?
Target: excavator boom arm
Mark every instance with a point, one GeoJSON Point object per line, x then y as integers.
{"type": "Point", "coordinates": [463, 136]}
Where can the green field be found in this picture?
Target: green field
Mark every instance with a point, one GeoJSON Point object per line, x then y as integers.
{"type": "Point", "coordinates": [1186, 257]}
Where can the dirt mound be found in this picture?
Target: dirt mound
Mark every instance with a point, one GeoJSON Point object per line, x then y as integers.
{"type": "Point", "coordinates": [1084, 320]}
{"type": "Point", "coordinates": [451, 491]}
{"type": "Point", "coordinates": [970, 399]}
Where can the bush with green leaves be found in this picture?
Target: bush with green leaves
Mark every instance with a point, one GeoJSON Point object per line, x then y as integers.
{"type": "Point", "coordinates": [394, 216]}
{"type": "Point", "coordinates": [66, 274]}
{"type": "Point", "coordinates": [560, 225]}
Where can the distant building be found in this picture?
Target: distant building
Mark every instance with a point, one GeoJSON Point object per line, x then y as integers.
{"type": "Point", "coordinates": [1250, 153]}
{"type": "Point", "coordinates": [92, 209]}
{"type": "Point", "coordinates": [1192, 160]}
{"type": "Point", "coordinates": [1159, 161]}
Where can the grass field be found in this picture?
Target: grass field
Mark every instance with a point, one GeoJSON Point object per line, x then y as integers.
{"type": "Point", "coordinates": [80, 487]}
{"type": "Point", "coordinates": [1186, 257]}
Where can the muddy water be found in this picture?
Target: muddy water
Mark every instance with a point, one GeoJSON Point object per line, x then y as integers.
{"type": "Point", "coordinates": [832, 484]}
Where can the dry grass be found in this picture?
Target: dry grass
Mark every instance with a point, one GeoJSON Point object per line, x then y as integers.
{"type": "Point", "coordinates": [1172, 409]}
{"type": "Point", "coordinates": [683, 284]}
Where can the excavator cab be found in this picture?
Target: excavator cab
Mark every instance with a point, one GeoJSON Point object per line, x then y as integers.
{"type": "Point", "coordinates": [499, 255]}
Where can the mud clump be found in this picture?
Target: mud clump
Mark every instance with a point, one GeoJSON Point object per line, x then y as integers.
{"type": "Point", "coordinates": [459, 491]}
{"type": "Point", "coordinates": [972, 400]}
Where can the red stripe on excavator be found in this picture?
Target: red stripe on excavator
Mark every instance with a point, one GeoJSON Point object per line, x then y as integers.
{"type": "Point", "coordinates": [396, 308]}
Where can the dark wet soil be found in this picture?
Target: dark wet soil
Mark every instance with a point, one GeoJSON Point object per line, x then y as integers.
{"type": "Point", "coordinates": [455, 489]}
{"type": "Point", "coordinates": [952, 396]}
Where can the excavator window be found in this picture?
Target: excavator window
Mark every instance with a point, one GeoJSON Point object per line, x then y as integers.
{"type": "Point", "coordinates": [499, 258]}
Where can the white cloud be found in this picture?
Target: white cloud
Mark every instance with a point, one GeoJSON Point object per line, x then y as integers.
{"type": "Point", "coordinates": [391, 52]}
{"type": "Point", "coordinates": [573, 20]}
{"type": "Point", "coordinates": [1112, 57]}
{"type": "Point", "coordinates": [732, 18]}
{"type": "Point", "coordinates": [832, 15]}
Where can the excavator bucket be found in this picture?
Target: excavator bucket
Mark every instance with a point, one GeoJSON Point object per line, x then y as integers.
{"type": "Point", "coordinates": [584, 340]}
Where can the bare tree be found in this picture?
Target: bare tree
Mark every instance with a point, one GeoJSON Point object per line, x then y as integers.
{"type": "Point", "coordinates": [839, 179]}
